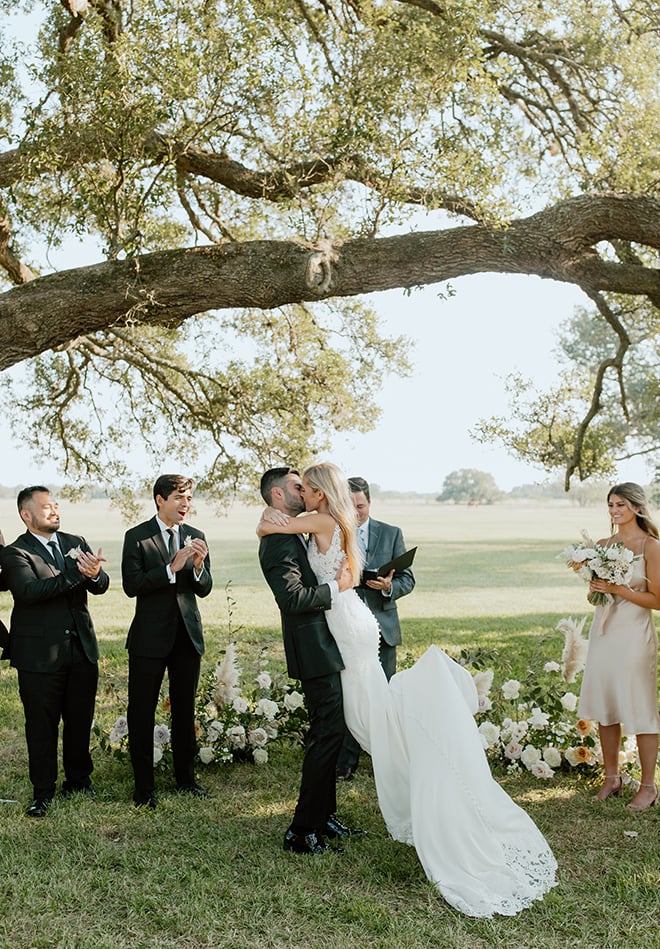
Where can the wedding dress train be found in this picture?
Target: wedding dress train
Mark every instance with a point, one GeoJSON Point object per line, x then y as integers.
{"type": "Point", "coordinates": [484, 854]}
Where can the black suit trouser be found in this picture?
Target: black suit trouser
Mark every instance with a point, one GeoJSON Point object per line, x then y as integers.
{"type": "Point", "coordinates": [67, 695]}
{"type": "Point", "coordinates": [145, 677]}
{"type": "Point", "coordinates": [317, 798]}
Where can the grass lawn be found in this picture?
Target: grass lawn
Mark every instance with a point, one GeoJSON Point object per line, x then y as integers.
{"type": "Point", "coordinates": [211, 873]}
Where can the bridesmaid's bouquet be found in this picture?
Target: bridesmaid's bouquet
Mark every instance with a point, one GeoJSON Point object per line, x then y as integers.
{"type": "Point", "coordinates": [592, 561]}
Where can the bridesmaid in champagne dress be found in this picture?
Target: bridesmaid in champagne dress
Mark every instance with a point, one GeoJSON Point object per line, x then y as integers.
{"type": "Point", "coordinates": [619, 687]}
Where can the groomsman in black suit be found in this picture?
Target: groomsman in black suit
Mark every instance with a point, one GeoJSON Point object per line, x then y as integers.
{"type": "Point", "coordinates": [4, 632]}
{"type": "Point", "coordinates": [380, 543]}
{"type": "Point", "coordinates": [52, 643]}
{"type": "Point", "coordinates": [312, 657]}
{"type": "Point", "coordinates": [166, 566]}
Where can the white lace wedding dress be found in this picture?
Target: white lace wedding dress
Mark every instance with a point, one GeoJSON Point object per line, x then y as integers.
{"type": "Point", "coordinates": [483, 853]}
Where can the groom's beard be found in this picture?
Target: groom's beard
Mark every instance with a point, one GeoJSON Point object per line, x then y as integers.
{"type": "Point", "coordinates": [294, 504]}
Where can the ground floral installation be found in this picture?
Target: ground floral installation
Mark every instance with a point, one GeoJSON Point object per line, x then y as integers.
{"type": "Point", "coordinates": [529, 725]}
{"type": "Point", "coordinates": [533, 725]}
{"type": "Point", "coordinates": [237, 726]}
{"type": "Point", "coordinates": [233, 723]}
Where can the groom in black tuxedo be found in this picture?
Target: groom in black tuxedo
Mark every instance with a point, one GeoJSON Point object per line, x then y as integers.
{"type": "Point", "coordinates": [312, 657]}
{"type": "Point", "coordinates": [166, 567]}
{"type": "Point", "coordinates": [52, 643]}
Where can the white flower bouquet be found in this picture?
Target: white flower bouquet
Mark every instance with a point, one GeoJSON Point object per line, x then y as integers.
{"type": "Point", "coordinates": [592, 561]}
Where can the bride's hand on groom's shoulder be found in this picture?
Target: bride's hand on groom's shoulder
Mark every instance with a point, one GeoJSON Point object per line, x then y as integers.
{"type": "Point", "coordinates": [271, 515]}
{"type": "Point", "coordinates": [274, 516]}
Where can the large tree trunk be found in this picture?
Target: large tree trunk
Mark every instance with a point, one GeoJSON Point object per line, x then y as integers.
{"type": "Point", "coordinates": [166, 288]}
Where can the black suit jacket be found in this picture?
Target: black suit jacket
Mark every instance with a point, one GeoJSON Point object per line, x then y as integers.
{"type": "Point", "coordinates": [4, 632]}
{"type": "Point", "coordinates": [385, 543]}
{"type": "Point", "coordinates": [48, 604]}
{"type": "Point", "coordinates": [159, 603]}
{"type": "Point", "coordinates": [308, 645]}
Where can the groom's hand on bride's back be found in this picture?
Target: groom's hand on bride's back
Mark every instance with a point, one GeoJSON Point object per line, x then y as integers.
{"type": "Point", "coordinates": [344, 577]}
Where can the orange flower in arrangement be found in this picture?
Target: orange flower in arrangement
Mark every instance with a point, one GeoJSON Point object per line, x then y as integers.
{"type": "Point", "coordinates": [583, 726]}
{"type": "Point", "coordinates": [579, 755]}
{"type": "Point", "coordinates": [166, 703]}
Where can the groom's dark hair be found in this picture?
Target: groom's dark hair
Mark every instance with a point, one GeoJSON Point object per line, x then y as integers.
{"type": "Point", "coordinates": [274, 478]}
{"type": "Point", "coordinates": [359, 484]}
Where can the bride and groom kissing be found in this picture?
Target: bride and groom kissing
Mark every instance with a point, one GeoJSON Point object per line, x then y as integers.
{"type": "Point", "coordinates": [482, 852]}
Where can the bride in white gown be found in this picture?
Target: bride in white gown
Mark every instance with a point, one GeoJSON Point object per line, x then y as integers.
{"type": "Point", "coordinates": [483, 853]}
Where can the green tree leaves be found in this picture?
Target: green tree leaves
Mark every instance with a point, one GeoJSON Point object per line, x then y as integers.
{"type": "Point", "coordinates": [260, 127]}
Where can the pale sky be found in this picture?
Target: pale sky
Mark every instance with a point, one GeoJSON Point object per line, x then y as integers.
{"type": "Point", "coordinates": [466, 346]}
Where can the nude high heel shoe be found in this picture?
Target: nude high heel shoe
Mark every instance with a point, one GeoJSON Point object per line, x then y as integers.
{"type": "Point", "coordinates": [615, 792]}
{"type": "Point", "coordinates": [642, 807]}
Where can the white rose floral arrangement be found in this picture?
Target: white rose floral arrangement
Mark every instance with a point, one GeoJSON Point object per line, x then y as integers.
{"type": "Point", "coordinates": [533, 725]}
{"type": "Point", "coordinates": [236, 725]}
{"type": "Point", "coordinates": [114, 741]}
{"type": "Point", "coordinates": [231, 724]}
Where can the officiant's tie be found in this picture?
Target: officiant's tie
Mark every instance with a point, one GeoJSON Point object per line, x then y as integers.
{"type": "Point", "coordinates": [57, 555]}
{"type": "Point", "coordinates": [362, 542]}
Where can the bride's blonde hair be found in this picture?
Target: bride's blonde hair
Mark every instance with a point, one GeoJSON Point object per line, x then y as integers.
{"type": "Point", "coordinates": [330, 479]}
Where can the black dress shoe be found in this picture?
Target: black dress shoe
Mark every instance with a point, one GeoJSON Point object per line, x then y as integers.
{"type": "Point", "coordinates": [335, 828]}
{"type": "Point", "coordinates": [146, 800]}
{"type": "Point", "coordinates": [193, 789]}
{"type": "Point", "coordinates": [345, 774]}
{"type": "Point", "coordinates": [39, 806]}
{"type": "Point", "coordinates": [305, 843]}
{"type": "Point", "coordinates": [68, 789]}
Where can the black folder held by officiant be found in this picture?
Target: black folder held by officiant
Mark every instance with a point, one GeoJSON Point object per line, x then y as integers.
{"type": "Point", "coordinates": [399, 563]}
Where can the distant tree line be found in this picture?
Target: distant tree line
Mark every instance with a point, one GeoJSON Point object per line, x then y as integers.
{"type": "Point", "coordinates": [471, 486]}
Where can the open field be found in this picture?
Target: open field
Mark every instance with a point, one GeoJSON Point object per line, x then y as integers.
{"type": "Point", "coordinates": [101, 875]}
{"type": "Point", "coordinates": [471, 562]}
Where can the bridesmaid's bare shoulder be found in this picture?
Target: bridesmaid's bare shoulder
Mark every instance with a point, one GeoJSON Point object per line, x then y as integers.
{"type": "Point", "coordinates": [652, 547]}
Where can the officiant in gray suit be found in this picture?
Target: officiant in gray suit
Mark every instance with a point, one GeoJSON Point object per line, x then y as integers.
{"type": "Point", "coordinates": [380, 543]}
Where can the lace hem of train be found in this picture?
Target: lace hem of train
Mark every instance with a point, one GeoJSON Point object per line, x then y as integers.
{"type": "Point", "coordinates": [537, 875]}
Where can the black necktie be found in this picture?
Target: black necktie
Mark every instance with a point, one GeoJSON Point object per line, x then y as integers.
{"type": "Point", "coordinates": [173, 545]}
{"type": "Point", "coordinates": [57, 555]}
